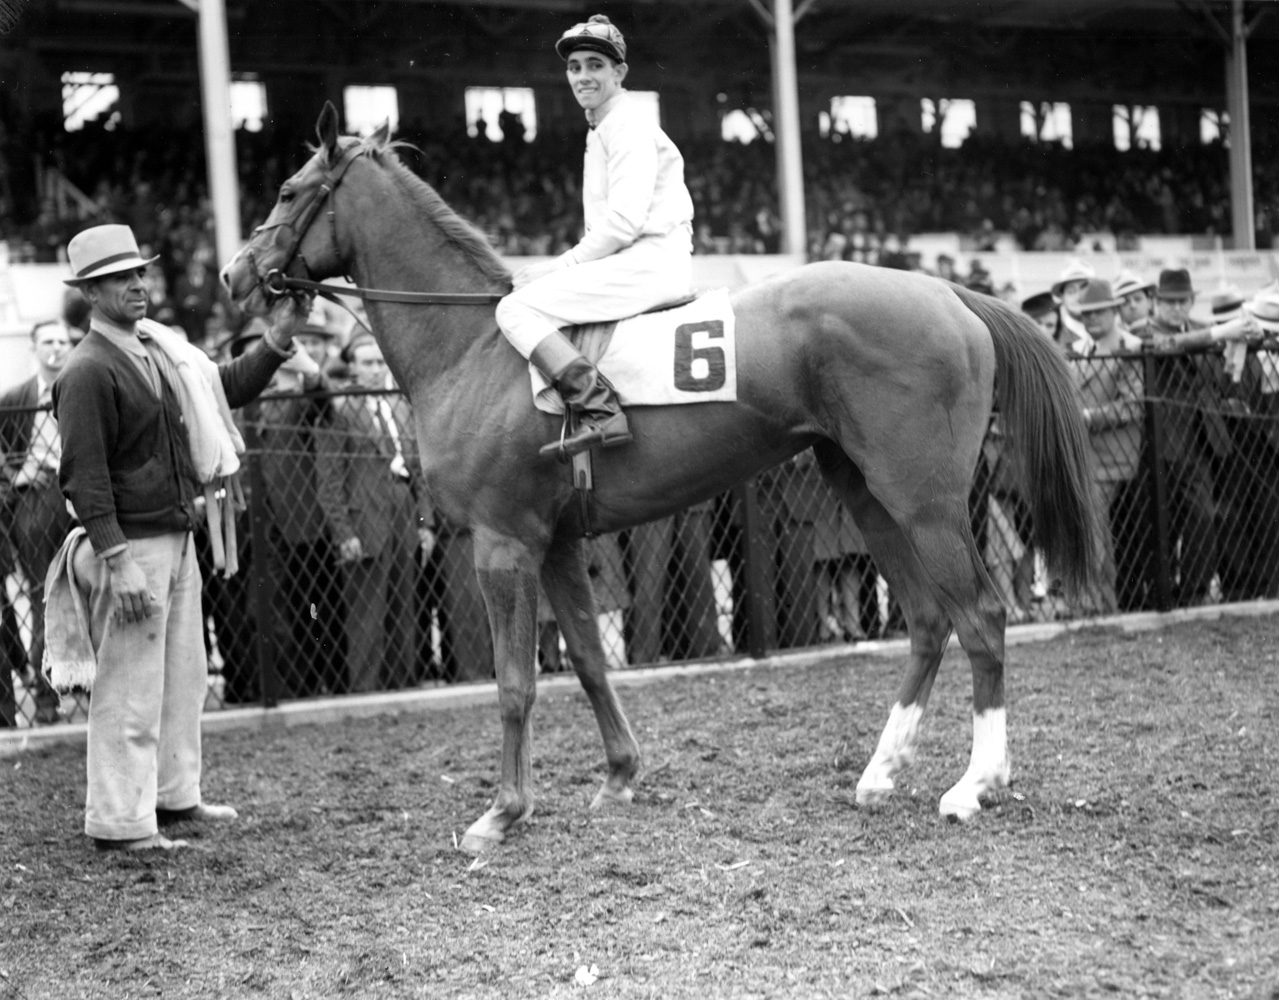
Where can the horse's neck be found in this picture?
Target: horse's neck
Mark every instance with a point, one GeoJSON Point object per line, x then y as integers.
{"type": "Point", "coordinates": [423, 343]}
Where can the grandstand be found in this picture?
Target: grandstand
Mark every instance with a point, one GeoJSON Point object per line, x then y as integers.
{"type": "Point", "coordinates": [957, 126]}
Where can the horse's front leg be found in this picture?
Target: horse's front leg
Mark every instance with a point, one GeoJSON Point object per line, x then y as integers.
{"type": "Point", "coordinates": [568, 588]}
{"type": "Point", "coordinates": [507, 574]}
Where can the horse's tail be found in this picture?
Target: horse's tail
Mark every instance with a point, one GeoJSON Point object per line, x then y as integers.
{"type": "Point", "coordinates": [1041, 416]}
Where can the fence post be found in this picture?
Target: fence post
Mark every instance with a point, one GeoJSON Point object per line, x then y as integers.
{"type": "Point", "coordinates": [1158, 486]}
{"type": "Point", "coordinates": [760, 606]}
{"type": "Point", "coordinates": [260, 593]}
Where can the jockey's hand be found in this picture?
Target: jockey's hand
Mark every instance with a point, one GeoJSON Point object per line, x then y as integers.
{"type": "Point", "coordinates": [131, 596]}
{"type": "Point", "coordinates": [286, 315]}
{"type": "Point", "coordinates": [350, 550]}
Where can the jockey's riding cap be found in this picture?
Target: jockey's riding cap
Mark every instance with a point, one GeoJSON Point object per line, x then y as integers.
{"type": "Point", "coordinates": [102, 250]}
{"type": "Point", "coordinates": [598, 34]}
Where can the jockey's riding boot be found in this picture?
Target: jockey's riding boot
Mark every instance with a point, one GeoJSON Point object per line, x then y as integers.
{"type": "Point", "coordinates": [590, 396]}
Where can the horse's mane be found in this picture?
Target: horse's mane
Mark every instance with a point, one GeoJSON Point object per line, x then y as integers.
{"type": "Point", "coordinates": [459, 233]}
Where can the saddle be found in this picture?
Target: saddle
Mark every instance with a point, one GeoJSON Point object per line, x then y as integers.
{"type": "Point", "coordinates": [593, 341]}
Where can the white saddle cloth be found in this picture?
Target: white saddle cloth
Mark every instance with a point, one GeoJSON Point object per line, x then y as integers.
{"type": "Point", "coordinates": [683, 355]}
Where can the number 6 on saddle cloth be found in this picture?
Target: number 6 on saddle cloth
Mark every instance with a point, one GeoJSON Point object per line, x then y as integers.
{"type": "Point", "coordinates": [681, 354]}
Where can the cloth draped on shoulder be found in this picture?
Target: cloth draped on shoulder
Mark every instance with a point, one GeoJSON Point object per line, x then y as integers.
{"type": "Point", "coordinates": [216, 442]}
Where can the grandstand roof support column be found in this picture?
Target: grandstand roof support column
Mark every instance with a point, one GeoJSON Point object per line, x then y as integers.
{"type": "Point", "coordinates": [786, 133]}
{"type": "Point", "coordinates": [1235, 37]}
{"type": "Point", "coordinates": [219, 139]}
{"type": "Point", "coordinates": [1241, 208]}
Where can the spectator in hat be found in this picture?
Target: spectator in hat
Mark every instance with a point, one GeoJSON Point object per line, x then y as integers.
{"type": "Point", "coordinates": [1067, 289]}
{"type": "Point", "coordinates": [379, 515]}
{"type": "Point", "coordinates": [1194, 437]}
{"type": "Point", "coordinates": [1043, 309]}
{"type": "Point", "coordinates": [1112, 391]}
{"type": "Point", "coordinates": [1135, 301]}
{"type": "Point", "coordinates": [308, 600]}
{"type": "Point", "coordinates": [1249, 497]}
{"type": "Point", "coordinates": [319, 336]}
{"type": "Point", "coordinates": [129, 471]}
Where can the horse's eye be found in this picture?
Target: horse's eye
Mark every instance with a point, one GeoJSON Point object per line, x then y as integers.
{"type": "Point", "coordinates": [286, 196]}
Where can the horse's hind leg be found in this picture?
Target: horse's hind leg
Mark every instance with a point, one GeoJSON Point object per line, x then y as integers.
{"type": "Point", "coordinates": [960, 584]}
{"type": "Point", "coordinates": [568, 588]}
{"type": "Point", "coordinates": [939, 582]}
{"type": "Point", "coordinates": [506, 569]}
{"type": "Point", "coordinates": [940, 536]}
{"type": "Point", "coordinates": [927, 624]}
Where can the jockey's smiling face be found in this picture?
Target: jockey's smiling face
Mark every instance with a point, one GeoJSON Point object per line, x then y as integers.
{"type": "Point", "coordinates": [594, 77]}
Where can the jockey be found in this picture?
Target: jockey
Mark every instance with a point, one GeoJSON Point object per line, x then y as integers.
{"type": "Point", "coordinates": [636, 254]}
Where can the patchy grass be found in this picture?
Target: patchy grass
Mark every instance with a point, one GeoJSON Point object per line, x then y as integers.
{"type": "Point", "coordinates": [1141, 860]}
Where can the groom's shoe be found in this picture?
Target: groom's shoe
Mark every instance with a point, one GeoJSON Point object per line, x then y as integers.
{"type": "Point", "coordinates": [203, 813]}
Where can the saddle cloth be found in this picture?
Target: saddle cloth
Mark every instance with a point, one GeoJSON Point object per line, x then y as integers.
{"type": "Point", "coordinates": [687, 354]}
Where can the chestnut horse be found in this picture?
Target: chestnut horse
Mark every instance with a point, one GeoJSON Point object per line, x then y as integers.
{"type": "Point", "coordinates": [890, 377]}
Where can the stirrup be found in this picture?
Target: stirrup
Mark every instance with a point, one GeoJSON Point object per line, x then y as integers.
{"type": "Point", "coordinates": [609, 433]}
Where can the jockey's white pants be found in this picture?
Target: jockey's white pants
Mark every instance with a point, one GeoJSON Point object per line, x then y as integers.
{"type": "Point", "coordinates": [651, 272]}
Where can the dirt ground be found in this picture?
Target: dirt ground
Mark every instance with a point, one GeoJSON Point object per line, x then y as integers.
{"type": "Point", "coordinates": [1140, 860]}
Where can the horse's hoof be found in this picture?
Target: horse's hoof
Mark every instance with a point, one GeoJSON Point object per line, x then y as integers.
{"type": "Point", "coordinates": [475, 844]}
{"type": "Point", "coordinates": [487, 832]}
{"type": "Point", "coordinates": [607, 797]}
{"type": "Point", "coordinates": [959, 806]}
{"type": "Point", "coordinates": [873, 796]}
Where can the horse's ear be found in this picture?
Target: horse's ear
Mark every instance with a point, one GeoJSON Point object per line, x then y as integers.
{"type": "Point", "coordinates": [327, 127]}
{"type": "Point", "coordinates": [382, 135]}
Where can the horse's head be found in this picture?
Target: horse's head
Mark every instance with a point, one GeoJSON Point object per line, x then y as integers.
{"type": "Point", "coordinates": [299, 238]}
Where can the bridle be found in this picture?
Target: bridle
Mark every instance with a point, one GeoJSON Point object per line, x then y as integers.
{"type": "Point", "coordinates": [278, 282]}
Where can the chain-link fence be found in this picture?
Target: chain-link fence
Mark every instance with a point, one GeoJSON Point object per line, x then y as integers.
{"type": "Point", "coordinates": [1185, 462]}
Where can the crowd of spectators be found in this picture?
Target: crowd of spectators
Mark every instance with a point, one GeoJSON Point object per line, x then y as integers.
{"type": "Point", "coordinates": [865, 197]}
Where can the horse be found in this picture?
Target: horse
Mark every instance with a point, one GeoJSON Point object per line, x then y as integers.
{"type": "Point", "coordinates": [890, 377]}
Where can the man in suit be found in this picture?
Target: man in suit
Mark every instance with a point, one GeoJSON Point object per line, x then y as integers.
{"type": "Point", "coordinates": [366, 464]}
{"type": "Point", "coordinates": [1195, 440]}
{"type": "Point", "coordinates": [309, 597]}
{"type": "Point", "coordinates": [33, 513]}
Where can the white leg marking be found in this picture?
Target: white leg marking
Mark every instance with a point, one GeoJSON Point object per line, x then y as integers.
{"type": "Point", "coordinates": [988, 768]}
{"type": "Point", "coordinates": [896, 751]}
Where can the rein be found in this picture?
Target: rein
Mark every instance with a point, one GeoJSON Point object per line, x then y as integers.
{"type": "Point", "coordinates": [281, 284]}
